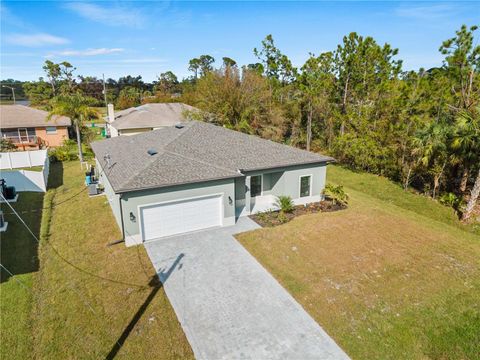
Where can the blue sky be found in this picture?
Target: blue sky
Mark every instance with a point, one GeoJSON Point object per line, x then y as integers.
{"type": "Point", "coordinates": [147, 38]}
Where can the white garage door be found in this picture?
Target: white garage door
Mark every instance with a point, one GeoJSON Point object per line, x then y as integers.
{"type": "Point", "coordinates": [181, 216]}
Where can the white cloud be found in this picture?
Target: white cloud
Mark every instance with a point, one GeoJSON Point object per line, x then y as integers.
{"type": "Point", "coordinates": [35, 40]}
{"type": "Point", "coordinates": [88, 52]}
{"type": "Point", "coordinates": [114, 16]}
{"type": "Point", "coordinates": [425, 11]}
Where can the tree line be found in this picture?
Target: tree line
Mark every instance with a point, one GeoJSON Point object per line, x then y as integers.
{"type": "Point", "coordinates": [420, 128]}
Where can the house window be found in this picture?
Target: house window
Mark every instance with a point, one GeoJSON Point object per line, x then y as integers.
{"type": "Point", "coordinates": [305, 185]}
{"type": "Point", "coordinates": [256, 185]}
{"type": "Point", "coordinates": [51, 130]}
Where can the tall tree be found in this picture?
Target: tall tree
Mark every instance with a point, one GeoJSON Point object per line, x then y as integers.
{"type": "Point", "coordinates": [167, 83]}
{"type": "Point", "coordinates": [53, 73]}
{"type": "Point", "coordinates": [194, 66]}
{"type": "Point", "coordinates": [228, 62]}
{"type": "Point", "coordinates": [78, 108]}
{"type": "Point", "coordinates": [205, 64]}
{"type": "Point", "coordinates": [466, 140]}
{"type": "Point", "coordinates": [315, 82]}
{"type": "Point", "coordinates": [463, 63]}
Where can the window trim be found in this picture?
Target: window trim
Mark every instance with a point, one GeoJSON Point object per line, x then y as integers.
{"type": "Point", "coordinates": [51, 133]}
{"type": "Point", "coordinates": [261, 185]}
{"type": "Point", "coordinates": [300, 185]}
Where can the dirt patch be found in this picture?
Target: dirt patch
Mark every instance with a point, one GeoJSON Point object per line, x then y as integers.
{"type": "Point", "coordinates": [274, 218]}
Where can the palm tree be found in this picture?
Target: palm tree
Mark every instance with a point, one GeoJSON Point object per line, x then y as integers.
{"type": "Point", "coordinates": [431, 143]}
{"type": "Point", "coordinates": [466, 140]}
{"type": "Point", "coordinates": [78, 108]}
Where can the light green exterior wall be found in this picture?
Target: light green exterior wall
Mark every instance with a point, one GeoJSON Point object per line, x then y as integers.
{"type": "Point", "coordinates": [113, 199]}
{"type": "Point", "coordinates": [287, 181]}
{"type": "Point", "coordinates": [276, 182]}
{"type": "Point", "coordinates": [132, 200]}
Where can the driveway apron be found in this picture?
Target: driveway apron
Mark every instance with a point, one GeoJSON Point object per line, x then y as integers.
{"type": "Point", "coordinates": [229, 306]}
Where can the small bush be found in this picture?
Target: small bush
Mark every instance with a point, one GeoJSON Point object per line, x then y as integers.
{"type": "Point", "coordinates": [68, 151]}
{"type": "Point", "coordinates": [285, 203]}
{"type": "Point", "coordinates": [450, 199]}
{"type": "Point", "coordinates": [282, 218]}
{"type": "Point", "coordinates": [7, 145]}
{"type": "Point", "coordinates": [336, 193]}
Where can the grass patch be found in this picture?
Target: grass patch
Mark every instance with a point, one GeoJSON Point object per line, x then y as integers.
{"type": "Point", "coordinates": [33, 168]}
{"type": "Point", "coordinates": [18, 254]}
{"type": "Point", "coordinates": [108, 304]}
{"type": "Point", "coordinates": [383, 189]}
{"type": "Point", "coordinates": [394, 276]}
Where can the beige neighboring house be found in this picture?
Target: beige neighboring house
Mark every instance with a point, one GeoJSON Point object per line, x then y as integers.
{"type": "Point", "coordinates": [147, 117]}
{"type": "Point", "coordinates": [29, 128]}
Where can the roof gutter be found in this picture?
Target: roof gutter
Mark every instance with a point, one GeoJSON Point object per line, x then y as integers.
{"type": "Point", "coordinates": [326, 161]}
{"type": "Point", "coordinates": [122, 191]}
{"type": "Point", "coordinates": [240, 173]}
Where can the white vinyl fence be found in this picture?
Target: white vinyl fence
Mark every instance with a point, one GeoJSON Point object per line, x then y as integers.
{"type": "Point", "coordinates": [25, 180]}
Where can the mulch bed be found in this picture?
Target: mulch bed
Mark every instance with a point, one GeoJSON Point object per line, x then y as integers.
{"type": "Point", "coordinates": [274, 218]}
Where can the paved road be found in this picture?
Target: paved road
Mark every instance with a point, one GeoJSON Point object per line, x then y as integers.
{"type": "Point", "coordinates": [229, 306]}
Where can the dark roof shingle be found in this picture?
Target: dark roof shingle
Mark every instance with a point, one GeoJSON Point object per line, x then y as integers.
{"type": "Point", "coordinates": [197, 152]}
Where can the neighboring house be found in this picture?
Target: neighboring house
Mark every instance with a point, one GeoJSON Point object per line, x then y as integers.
{"type": "Point", "coordinates": [29, 128]}
{"type": "Point", "coordinates": [147, 117]}
{"type": "Point", "coordinates": [181, 179]}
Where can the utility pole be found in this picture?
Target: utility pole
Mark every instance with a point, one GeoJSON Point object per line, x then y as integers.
{"type": "Point", "coordinates": [13, 92]}
{"type": "Point", "coordinates": [104, 91]}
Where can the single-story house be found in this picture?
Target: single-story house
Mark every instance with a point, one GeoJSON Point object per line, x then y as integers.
{"type": "Point", "coordinates": [146, 117]}
{"type": "Point", "coordinates": [30, 128]}
{"type": "Point", "coordinates": [198, 175]}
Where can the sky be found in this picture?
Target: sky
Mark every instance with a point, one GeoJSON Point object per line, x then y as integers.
{"type": "Point", "coordinates": [147, 38]}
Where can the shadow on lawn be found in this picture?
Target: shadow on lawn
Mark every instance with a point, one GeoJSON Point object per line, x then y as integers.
{"type": "Point", "coordinates": [156, 283]}
{"type": "Point", "coordinates": [18, 248]}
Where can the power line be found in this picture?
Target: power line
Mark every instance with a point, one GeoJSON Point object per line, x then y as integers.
{"type": "Point", "coordinates": [68, 261]}
{"type": "Point", "coordinates": [33, 294]}
{"type": "Point", "coordinates": [14, 277]}
{"type": "Point", "coordinates": [85, 301]}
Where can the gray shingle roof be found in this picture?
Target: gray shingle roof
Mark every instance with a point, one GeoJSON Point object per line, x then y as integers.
{"type": "Point", "coordinates": [197, 152]}
{"type": "Point", "coordinates": [13, 116]}
{"type": "Point", "coordinates": [151, 116]}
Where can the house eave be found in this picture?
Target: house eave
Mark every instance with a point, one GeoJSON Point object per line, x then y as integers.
{"type": "Point", "coordinates": [128, 190]}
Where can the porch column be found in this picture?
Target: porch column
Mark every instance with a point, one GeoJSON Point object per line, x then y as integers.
{"type": "Point", "coordinates": [247, 195]}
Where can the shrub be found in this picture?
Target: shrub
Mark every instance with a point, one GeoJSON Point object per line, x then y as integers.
{"type": "Point", "coordinates": [336, 193]}
{"type": "Point", "coordinates": [450, 199]}
{"type": "Point", "coordinates": [68, 151]}
{"type": "Point", "coordinates": [282, 218]}
{"type": "Point", "coordinates": [285, 203]}
{"type": "Point", "coordinates": [7, 145]}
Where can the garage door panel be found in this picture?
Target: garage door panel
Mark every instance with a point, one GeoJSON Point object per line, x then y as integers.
{"type": "Point", "coordinates": [182, 216]}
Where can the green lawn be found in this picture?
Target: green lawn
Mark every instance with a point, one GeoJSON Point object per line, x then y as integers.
{"type": "Point", "coordinates": [394, 276]}
{"type": "Point", "coordinates": [107, 303]}
{"type": "Point", "coordinates": [19, 255]}
{"type": "Point", "coordinates": [33, 168]}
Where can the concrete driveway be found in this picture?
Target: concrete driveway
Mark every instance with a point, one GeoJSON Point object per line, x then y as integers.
{"type": "Point", "coordinates": [229, 306]}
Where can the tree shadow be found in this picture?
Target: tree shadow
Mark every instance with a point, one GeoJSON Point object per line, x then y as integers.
{"type": "Point", "coordinates": [18, 248]}
{"type": "Point", "coordinates": [156, 283]}
{"type": "Point", "coordinates": [55, 175]}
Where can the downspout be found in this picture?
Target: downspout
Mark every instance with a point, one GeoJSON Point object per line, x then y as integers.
{"type": "Point", "coordinates": [121, 216]}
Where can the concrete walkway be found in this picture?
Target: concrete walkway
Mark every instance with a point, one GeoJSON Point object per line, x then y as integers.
{"type": "Point", "coordinates": [229, 306]}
